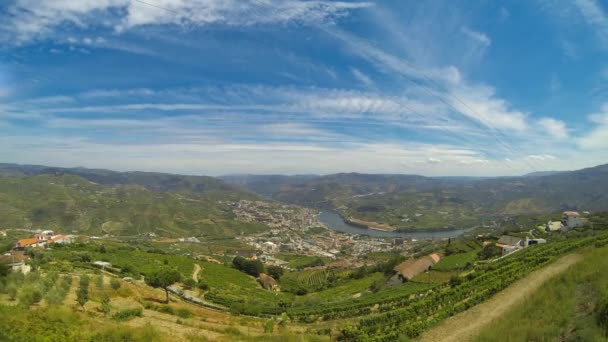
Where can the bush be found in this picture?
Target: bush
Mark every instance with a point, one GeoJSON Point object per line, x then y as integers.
{"type": "Point", "coordinates": [203, 286]}
{"type": "Point", "coordinates": [183, 313]}
{"type": "Point", "coordinates": [84, 281]}
{"type": "Point", "coordinates": [190, 283]}
{"type": "Point", "coordinates": [251, 267]}
{"type": "Point", "coordinates": [115, 284]}
{"type": "Point", "coordinates": [275, 271]}
{"type": "Point", "coordinates": [127, 314]}
{"type": "Point", "coordinates": [4, 270]}
{"type": "Point", "coordinates": [105, 304]}
{"type": "Point", "coordinates": [12, 291]}
{"type": "Point", "coordinates": [30, 296]}
{"type": "Point", "coordinates": [99, 281]}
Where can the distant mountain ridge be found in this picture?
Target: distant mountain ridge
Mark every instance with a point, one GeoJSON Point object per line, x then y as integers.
{"type": "Point", "coordinates": [153, 181]}
{"type": "Point", "coordinates": [412, 201]}
{"type": "Point", "coordinates": [401, 201]}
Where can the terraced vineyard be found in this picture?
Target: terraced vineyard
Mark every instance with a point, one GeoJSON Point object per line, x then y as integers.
{"type": "Point", "coordinates": [441, 302]}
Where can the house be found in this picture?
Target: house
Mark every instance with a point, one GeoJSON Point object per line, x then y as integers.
{"type": "Point", "coordinates": [571, 219]}
{"type": "Point", "coordinates": [16, 262]}
{"type": "Point", "coordinates": [270, 246]}
{"type": "Point", "coordinates": [553, 226]}
{"type": "Point", "coordinates": [61, 239]}
{"type": "Point", "coordinates": [510, 243]}
{"type": "Point", "coordinates": [409, 269]}
{"type": "Point", "coordinates": [530, 242]}
{"type": "Point", "coordinates": [31, 242]}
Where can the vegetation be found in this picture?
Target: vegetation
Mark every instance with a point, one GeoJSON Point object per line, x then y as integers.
{"type": "Point", "coordinates": [163, 278]}
{"type": "Point", "coordinates": [570, 307]}
{"type": "Point", "coordinates": [73, 203]}
{"type": "Point", "coordinates": [251, 267]}
{"type": "Point", "coordinates": [487, 280]}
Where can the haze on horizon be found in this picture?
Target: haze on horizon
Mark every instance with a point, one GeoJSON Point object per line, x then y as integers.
{"type": "Point", "coordinates": [448, 88]}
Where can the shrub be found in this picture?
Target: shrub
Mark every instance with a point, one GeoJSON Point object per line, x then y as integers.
{"type": "Point", "coordinates": [251, 267]}
{"type": "Point", "coordinates": [84, 281]}
{"type": "Point", "coordinates": [127, 314]}
{"type": "Point", "coordinates": [275, 271]}
{"type": "Point", "coordinates": [190, 283]}
{"type": "Point", "coordinates": [11, 290]}
{"type": "Point", "coordinates": [99, 281]}
{"type": "Point", "coordinates": [183, 313]}
{"type": "Point", "coordinates": [115, 284]}
{"type": "Point", "coordinates": [203, 286]}
{"type": "Point", "coordinates": [30, 295]}
{"type": "Point", "coordinates": [105, 304]}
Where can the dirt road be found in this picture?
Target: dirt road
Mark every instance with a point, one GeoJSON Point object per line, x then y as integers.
{"type": "Point", "coordinates": [466, 325]}
{"type": "Point", "coordinates": [197, 269]}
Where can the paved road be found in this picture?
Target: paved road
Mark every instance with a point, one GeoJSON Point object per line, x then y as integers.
{"type": "Point", "coordinates": [468, 324]}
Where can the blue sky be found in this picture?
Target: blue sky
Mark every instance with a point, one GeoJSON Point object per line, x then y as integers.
{"type": "Point", "coordinates": [217, 87]}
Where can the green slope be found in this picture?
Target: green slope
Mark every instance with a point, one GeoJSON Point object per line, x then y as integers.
{"type": "Point", "coordinates": [70, 203]}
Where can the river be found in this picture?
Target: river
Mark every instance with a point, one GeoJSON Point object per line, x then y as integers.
{"type": "Point", "coordinates": [334, 222]}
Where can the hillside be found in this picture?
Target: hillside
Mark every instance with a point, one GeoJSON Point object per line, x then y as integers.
{"type": "Point", "coordinates": [71, 203]}
{"type": "Point", "coordinates": [153, 181]}
{"type": "Point", "coordinates": [409, 201]}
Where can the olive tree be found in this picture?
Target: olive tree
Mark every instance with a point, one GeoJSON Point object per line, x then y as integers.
{"type": "Point", "coordinates": [163, 278]}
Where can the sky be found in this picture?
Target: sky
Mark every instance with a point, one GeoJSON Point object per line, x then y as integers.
{"type": "Point", "coordinates": [212, 87]}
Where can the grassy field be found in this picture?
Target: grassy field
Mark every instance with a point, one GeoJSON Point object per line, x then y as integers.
{"type": "Point", "coordinates": [566, 309]}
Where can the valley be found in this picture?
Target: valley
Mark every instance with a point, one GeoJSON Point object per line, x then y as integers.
{"type": "Point", "coordinates": [270, 269]}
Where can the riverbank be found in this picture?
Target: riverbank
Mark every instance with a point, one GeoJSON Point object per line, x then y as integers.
{"type": "Point", "coordinates": [369, 224]}
{"type": "Point", "coordinates": [334, 221]}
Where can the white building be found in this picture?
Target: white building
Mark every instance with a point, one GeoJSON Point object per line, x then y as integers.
{"type": "Point", "coordinates": [571, 219]}
{"type": "Point", "coordinates": [554, 226]}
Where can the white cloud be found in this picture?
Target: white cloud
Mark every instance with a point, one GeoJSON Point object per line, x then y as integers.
{"type": "Point", "coordinates": [596, 17]}
{"type": "Point", "coordinates": [541, 157]}
{"type": "Point", "coordinates": [481, 103]}
{"type": "Point", "coordinates": [477, 36]}
{"type": "Point", "coordinates": [363, 78]}
{"type": "Point", "coordinates": [597, 138]}
{"type": "Point", "coordinates": [555, 128]}
{"type": "Point", "coordinates": [32, 19]}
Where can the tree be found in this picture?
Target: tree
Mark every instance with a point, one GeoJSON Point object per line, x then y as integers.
{"type": "Point", "coordinates": [105, 304]}
{"type": "Point", "coordinates": [251, 267]}
{"type": "Point", "coordinates": [4, 270]}
{"type": "Point", "coordinates": [275, 271]}
{"type": "Point", "coordinates": [163, 278]}
{"type": "Point", "coordinates": [489, 251]}
{"type": "Point", "coordinates": [82, 296]}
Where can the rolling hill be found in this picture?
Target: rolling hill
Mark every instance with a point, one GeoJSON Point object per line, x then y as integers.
{"type": "Point", "coordinates": [410, 201]}
{"type": "Point", "coordinates": [152, 181]}
{"type": "Point", "coordinates": [71, 203]}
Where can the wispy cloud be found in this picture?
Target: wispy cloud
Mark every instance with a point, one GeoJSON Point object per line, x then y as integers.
{"type": "Point", "coordinates": [596, 17]}
{"type": "Point", "coordinates": [477, 36]}
{"type": "Point", "coordinates": [29, 19]}
{"type": "Point", "coordinates": [361, 77]}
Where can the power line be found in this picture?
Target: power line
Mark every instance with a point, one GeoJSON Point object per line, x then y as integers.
{"type": "Point", "coordinates": [156, 6]}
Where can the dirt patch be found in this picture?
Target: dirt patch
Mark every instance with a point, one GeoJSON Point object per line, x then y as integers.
{"type": "Point", "coordinates": [468, 324]}
{"type": "Point", "coordinates": [197, 269]}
